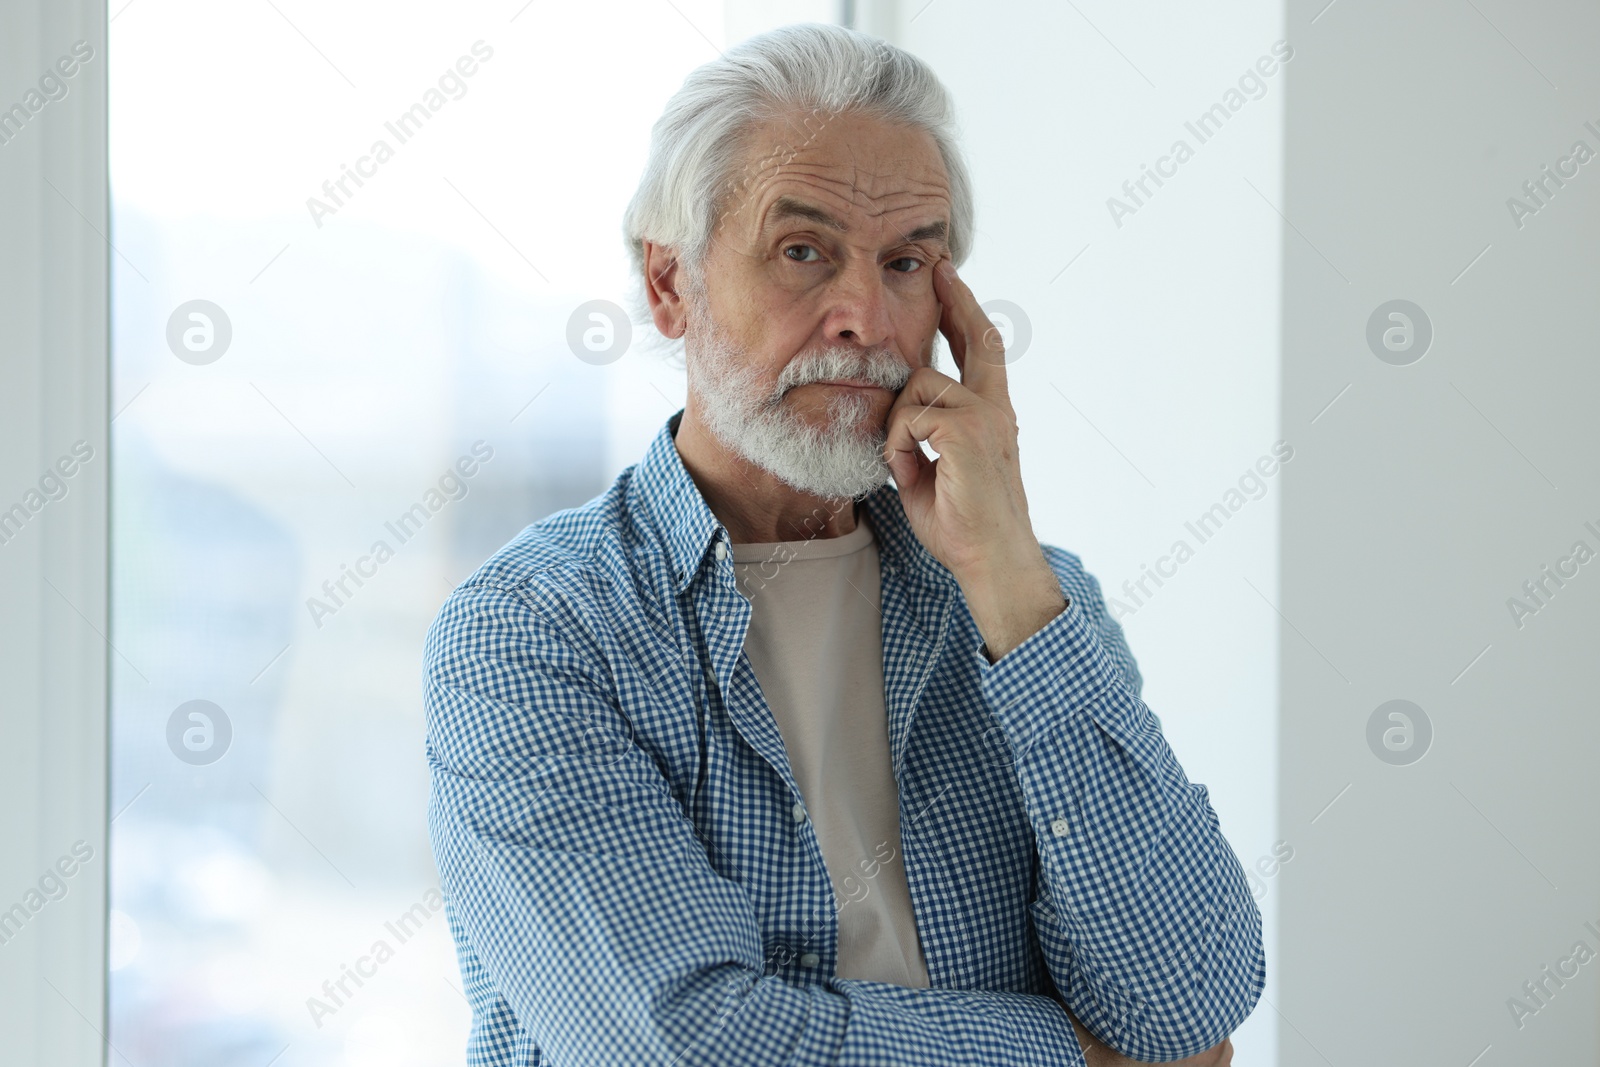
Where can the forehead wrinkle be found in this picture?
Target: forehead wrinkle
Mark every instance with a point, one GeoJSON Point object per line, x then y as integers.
{"type": "Point", "coordinates": [916, 168]}
{"type": "Point", "coordinates": [856, 170]}
{"type": "Point", "coordinates": [861, 179]}
{"type": "Point", "coordinates": [861, 200]}
{"type": "Point", "coordinates": [835, 170]}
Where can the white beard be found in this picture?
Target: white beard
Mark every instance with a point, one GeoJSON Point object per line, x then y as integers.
{"type": "Point", "coordinates": [842, 459]}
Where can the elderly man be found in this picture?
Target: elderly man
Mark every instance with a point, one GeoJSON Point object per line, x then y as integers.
{"type": "Point", "coordinates": [758, 759]}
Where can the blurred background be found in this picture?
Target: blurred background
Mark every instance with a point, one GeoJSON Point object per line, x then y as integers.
{"type": "Point", "coordinates": [1291, 286]}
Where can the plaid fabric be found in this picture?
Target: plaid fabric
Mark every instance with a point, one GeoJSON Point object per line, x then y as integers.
{"type": "Point", "coordinates": [630, 876]}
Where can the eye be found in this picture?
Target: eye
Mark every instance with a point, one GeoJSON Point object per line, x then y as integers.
{"type": "Point", "coordinates": [808, 248]}
{"type": "Point", "coordinates": [916, 264]}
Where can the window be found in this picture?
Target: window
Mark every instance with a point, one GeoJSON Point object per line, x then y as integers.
{"type": "Point", "coordinates": [349, 244]}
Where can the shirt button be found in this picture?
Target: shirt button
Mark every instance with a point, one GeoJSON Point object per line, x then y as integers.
{"type": "Point", "coordinates": [722, 550]}
{"type": "Point", "coordinates": [810, 959]}
{"type": "Point", "coordinates": [799, 812]}
{"type": "Point", "coordinates": [1060, 828]}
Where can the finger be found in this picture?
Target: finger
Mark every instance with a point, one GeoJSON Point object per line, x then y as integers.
{"type": "Point", "coordinates": [908, 468]}
{"type": "Point", "coordinates": [949, 325]}
{"type": "Point", "coordinates": [935, 389]}
{"type": "Point", "coordinates": [970, 333]}
{"type": "Point", "coordinates": [911, 424]}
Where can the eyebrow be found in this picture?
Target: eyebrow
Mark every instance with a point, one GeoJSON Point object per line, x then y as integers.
{"type": "Point", "coordinates": [787, 207]}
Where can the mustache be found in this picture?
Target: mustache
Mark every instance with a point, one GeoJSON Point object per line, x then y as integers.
{"type": "Point", "coordinates": [879, 368]}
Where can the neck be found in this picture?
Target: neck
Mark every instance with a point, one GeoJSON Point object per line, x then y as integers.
{"type": "Point", "coordinates": [754, 505]}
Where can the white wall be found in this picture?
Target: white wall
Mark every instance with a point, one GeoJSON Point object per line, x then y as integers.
{"type": "Point", "coordinates": [1419, 503]}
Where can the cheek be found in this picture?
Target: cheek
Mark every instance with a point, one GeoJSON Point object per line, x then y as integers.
{"type": "Point", "coordinates": [777, 328]}
{"type": "Point", "coordinates": [917, 321]}
{"type": "Point", "coordinates": [780, 344]}
{"type": "Point", "coordinates": [770, 316]}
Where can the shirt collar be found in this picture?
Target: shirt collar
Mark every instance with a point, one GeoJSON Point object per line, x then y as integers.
{"type": "Point", "coordinates": [663, 490]}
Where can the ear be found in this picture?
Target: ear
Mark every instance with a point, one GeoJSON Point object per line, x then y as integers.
{"type": "Point", "coordinates": [668, 307]}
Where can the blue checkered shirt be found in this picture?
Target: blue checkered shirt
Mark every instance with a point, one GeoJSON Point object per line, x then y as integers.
{"type": "Point", "coordinates": [630, 875]}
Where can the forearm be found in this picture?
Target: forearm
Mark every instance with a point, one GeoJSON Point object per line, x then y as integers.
{"type": "Point", "coordinates": [1096, 1054]}
{"type": "Point", "coordinates": [688, 985]}
{"type": "Point", "coordinates": [899, 1025]}
{"type": "Point", "coordinates": [1144, 915]}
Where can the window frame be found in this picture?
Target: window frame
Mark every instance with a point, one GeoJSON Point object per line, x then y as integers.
{"type": "Point", "coordinates": [54, 591]}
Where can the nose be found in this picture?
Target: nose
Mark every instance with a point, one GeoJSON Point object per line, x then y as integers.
{"type": "Point", "coordinates": [859, 306]}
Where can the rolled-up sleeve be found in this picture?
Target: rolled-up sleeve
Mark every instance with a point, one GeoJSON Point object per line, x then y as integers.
{"type": "Point", "coordinates": [1143, 912]}
{"type": "Point", "coordinates": [590, 907]}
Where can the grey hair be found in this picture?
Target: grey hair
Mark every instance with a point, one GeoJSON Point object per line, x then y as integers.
{"type": "Point", "coordinates": [816, 69]}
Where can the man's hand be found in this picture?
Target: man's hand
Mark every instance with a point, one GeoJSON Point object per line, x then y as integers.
{"type": "Point", "coordinates": [967, 507]}
{"type": "Point", "coordinates": [1097, 1055]}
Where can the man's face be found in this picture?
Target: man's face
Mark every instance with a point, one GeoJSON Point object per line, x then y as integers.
{"type": "Point", "coordinates": [820, 298]}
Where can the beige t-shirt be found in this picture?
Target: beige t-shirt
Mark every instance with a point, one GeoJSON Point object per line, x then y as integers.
{"type": "Point", "coordinates": [816, 645]}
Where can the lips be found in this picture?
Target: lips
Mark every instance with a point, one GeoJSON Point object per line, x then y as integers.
{"type": "Point", "coordinates": [851, 383]}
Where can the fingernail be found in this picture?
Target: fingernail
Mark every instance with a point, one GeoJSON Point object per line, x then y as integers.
{"type": "Point", "coordinates": [947, 268]}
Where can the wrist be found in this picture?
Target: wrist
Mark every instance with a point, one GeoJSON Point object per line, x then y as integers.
{"type": "Point", "coordinates": [1011, 604]}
